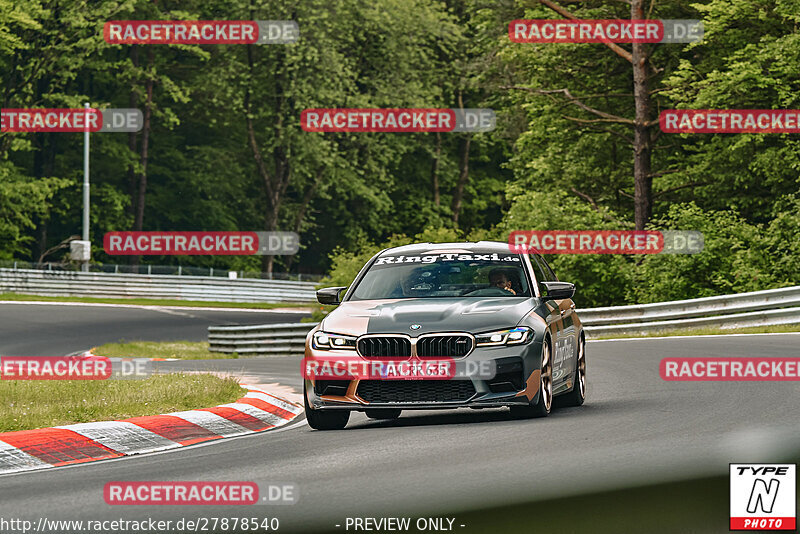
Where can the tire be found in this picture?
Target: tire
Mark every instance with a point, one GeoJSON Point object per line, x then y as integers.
{"type": "Point", "coordinates": [577, 396]}
{"type": "Point", "coordinates": [545, 403]}
{"type": "Point", "coordinates": [325, 420]}
{"type": "Point", "coordinates": [383, 413]}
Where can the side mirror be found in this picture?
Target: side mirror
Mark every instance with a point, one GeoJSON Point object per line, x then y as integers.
{"type": "Point", "coordinates": [329, 295]}
{"type": "Point", "coordinates": [557, 290]}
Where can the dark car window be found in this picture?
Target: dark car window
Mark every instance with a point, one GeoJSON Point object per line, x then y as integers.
{"type": "Point", "coordinates": [473, 274]}
{"type": "Point", "coordinates": [543, 271]}
{"type": "Point", "coordinates": [549, 273]}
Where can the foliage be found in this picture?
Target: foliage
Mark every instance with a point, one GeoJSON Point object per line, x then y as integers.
{"type": "Point", "coordinates": [738, 256]}
{"type": "Point", "coordinates": [600, 280]}
{"type": "Point", "coordinates": [22, 199]}
{"type": "Point", "coordinates": [347, 194]}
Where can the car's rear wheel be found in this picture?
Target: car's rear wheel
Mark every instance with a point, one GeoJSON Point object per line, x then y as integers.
{"type": "Point", "coordinates": [383, 413]}
{"type": "Point", "coordinates": [545, 401]}
{"type": "Point", "coordinates": [578, 393]}
{"type": "Point", "coordinates": [324, 419]}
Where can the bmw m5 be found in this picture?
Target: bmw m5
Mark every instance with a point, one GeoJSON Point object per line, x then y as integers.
{"type": "Point", "coordinates": [476, 303]}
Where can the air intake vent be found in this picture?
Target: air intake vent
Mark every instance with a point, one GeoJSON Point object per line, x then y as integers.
{"type": "Point", "coordinates": [331, 387]}
{"type": "Point", "coordinates": [447, 346]}
{"type": "Point", "coordinates": [384, 347]}
{"type": "Point", "coordinates": [391, 391]}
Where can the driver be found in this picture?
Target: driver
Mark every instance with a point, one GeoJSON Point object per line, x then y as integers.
{"type": "Point", "coordinates": [498, 278]}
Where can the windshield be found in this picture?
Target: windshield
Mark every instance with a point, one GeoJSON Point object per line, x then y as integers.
{"type": "Point", "coordinates": [474, 274]}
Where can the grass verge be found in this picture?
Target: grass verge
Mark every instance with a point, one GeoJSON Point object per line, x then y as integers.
{"type": "Point", "coordinates": [29, 404]}
{"type": "Point", "coordinates": [775, 329]}
{"type": "Point", "coordinates": [157, 302]}
{"type": "Point", "coordinates": [184, 350]}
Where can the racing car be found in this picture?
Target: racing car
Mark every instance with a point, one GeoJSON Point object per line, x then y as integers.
{"type": "Point", "coordinates": [478, 305]}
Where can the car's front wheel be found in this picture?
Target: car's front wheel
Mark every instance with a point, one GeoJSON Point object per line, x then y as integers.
{"type": "Point", "coordinates": [323, 419]}
{"type": "Point", "coordinates": [545, 402]}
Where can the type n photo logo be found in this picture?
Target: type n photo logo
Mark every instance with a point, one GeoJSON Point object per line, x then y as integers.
{"type": "Point", "coordinates": [763, 496]}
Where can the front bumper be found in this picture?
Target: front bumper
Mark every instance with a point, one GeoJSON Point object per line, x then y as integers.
{"type": "Point", "coordinates": [511, 385]}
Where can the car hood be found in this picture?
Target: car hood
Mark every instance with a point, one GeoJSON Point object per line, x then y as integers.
{"type": "Point", "coordinates": [396, 316]}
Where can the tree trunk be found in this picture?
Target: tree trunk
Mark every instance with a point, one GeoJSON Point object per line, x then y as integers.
{"type": "Point", "coordinates": [138, 223]}
{"type": "Point", "coordinates": [463, 176]}
{"type": "Point", "coordinates": [267, 262]}
{"type": "Point", "coordinates": [642, 180]}
{"type": "Point", "coordinates": [40, 245]}
{"type": "Point", "coordinates": [435, 171]}
{"type": "Point", "coordinates": [133, 104]}
{"type": "Point", "coordinates": [301, 212]}
{"type": "Point", "coordinates": [275, 183]}
{"type": "Point", "coordinates": [142, 193]}
{"type": "Point", "coordinates": [642, 149]}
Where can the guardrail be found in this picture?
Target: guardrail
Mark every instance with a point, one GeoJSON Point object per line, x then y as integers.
{"type": "Point", "coordinates": [758, 308]}
{"type": "Point", "coordinates": [110, 285]}
{"type": "Point", "coordinates": [270, 339]}
{"type": "Point", "coordinates": [150, 269]}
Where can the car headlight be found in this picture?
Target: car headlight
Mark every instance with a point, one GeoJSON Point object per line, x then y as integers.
{"type": "Point", "coordinates": [510, 336]}
{"type": "Point", "coordinates": [327, 341]}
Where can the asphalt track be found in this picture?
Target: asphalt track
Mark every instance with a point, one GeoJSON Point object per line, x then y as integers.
{"type": "Point", "coordinates": [634, 429]}
{"type": "Point", "coordinates": [52, 329]}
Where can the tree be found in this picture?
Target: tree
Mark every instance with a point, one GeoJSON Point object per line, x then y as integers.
{"type": "Point", "coordinates": [567, 81]}
{"type": "Point", "coordinates": [748, 59]}
{"type": "Point", "coordinates": [265, 88]}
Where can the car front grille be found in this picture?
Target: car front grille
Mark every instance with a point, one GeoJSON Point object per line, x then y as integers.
{"type": "Point", "coordinates": [415, 390]}
{"type": "Point", "coordinates": [446, 346]}
{"type": "Point", "coordinates": [384, 347]}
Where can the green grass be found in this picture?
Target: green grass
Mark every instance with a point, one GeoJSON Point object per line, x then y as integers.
{"type": "Point", "coordinates": [156, 302]}
{"type": "Point", "coordinates": [184, 350]}
{"type": "Point", "coordinates": [29, 404]}
{"type": "Point", "coordinates": [775, 329]}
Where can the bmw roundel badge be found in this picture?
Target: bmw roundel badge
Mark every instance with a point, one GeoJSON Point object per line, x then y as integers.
{"type": "Point", "coordinates": [416, 326]}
